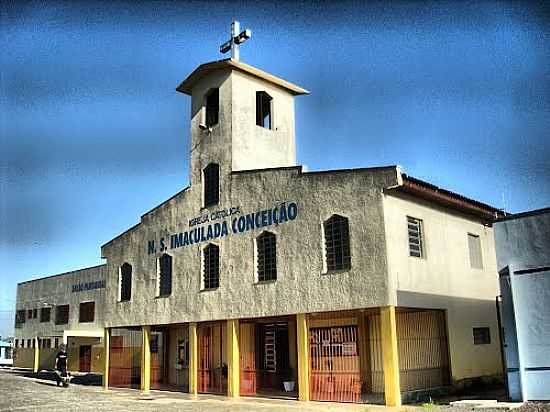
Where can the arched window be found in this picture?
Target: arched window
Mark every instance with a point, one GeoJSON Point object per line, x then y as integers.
{"type": "Point", "coordinates": [264, 110]}
{"type": "Point", "coordinates": [165, 275]}
{"type": "Point", "coordinates": [266, 248]}
{"type": "Point", "coordinates": [212, 107]}
{"type": "Point", "coordinates": [211, 274]}
{"type": "Point", "coordinates": [125, 282]}
{"type": "Point", "coordinates": [337, 247]}
{"type": "Point", "coordinates": [211, 183]}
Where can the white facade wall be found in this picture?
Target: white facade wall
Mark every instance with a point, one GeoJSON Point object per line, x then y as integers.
{"type": "Point", "coordinates": [444, 278]}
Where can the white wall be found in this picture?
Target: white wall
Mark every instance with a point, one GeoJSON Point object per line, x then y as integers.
{"type": "Point", "coordinates": [444, 278]}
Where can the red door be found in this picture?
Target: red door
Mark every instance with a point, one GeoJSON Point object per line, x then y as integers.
{"type": "Point", "coordinates": [85, 358]}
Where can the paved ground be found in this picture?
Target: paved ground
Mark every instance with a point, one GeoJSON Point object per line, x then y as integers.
{"type": "Point", "coordinates": [19, 391]}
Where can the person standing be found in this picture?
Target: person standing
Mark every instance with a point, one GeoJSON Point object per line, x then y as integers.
{"type": "Point", "coordinates": [61, 363]}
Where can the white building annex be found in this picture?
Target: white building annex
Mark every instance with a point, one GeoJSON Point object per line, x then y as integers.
{"type": "Point", "coordinates": [359, 285]}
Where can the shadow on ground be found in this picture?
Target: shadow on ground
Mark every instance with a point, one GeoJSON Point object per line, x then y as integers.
{"type": "Point", "coordinates": [87, 379]}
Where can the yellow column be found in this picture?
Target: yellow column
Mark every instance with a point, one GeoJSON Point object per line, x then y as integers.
{"type": "Point", "coordinates": [145, 359]}
{"type": "Point", "coordinates": [233, 359]}
{"type": "Point", "coordinates": [303, 356]}
{"type": "Point", "coordinates": [106, 345]}
{"type": "Point", "coordinates": [390, 356]}
{"type": "Point", "coordinates": [193, 359]}
{"type": "Point", "coordinates": [36, 364]}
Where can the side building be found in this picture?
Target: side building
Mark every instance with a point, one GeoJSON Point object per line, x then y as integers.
{"type": "Point", "coordinates": [361, 285]}
{"type": "Point", "coordinates": [61, 309]}
{"type": "Point", "coordinates": [523, 251]}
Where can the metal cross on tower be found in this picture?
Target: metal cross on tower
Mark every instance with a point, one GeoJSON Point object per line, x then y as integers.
{"type": "Point", "coordinates": [236, 39]}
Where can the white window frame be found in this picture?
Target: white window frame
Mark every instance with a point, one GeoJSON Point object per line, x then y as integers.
{"type": "Point", "coordinates": [421, 237]}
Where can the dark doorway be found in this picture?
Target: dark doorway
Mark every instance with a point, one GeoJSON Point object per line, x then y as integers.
{"type": "Point", "coordinates": [268, 358]}
{"type": "Point", "coordinates": [85, 358]}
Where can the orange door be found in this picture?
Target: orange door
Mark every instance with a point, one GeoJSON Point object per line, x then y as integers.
{"type": "Point", "coordinates": [335, 364]}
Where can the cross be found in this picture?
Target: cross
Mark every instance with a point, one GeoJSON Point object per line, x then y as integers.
{"type": "Point", "coordinates": [236, 39]}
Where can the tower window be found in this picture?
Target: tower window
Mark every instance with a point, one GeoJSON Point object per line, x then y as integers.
{"type": "Point", "coordinates": [165, 275]}
{"type": "Point", "coordinates": [266, 246]}
{"type": "Point", "coordinates": [125, 282]}
{"type": "Point", "coordinates": [264, 110]}
{"type": "Point", "coordinates": [211, 275]}
{"type": "Point", "coordinates": [212, 107]}
{"type": "Point", "coordinates": [211, 182]}
{"type": "Point", "coordinates": [337, 247]}
{"type": "Point", "coordinates": [416, 237]}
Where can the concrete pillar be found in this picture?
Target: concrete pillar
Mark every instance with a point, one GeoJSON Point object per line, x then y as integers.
{"type": "Point", "coordinates": [145, 359]}
{"type": "Point", "coordinates": [303, 356]}
{"type": "Point", "coordinates": [36, 363]}
{"type": "Point", "coordinates": [233, 359]}
{"type": "Point", "coordinates": [390, 355]}
{"type": "Point", "coordinates": [106, 345]}
{"type": "Point", "coordinates": [193, 359]}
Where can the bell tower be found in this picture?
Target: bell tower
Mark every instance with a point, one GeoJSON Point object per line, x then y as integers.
{"type": "Point", "coordinates": [242, 118]}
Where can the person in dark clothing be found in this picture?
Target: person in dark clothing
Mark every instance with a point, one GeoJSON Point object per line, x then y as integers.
{"type": "Point", "coordinates": [61, 363]}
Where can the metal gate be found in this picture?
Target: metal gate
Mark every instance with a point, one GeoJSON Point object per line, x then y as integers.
{"type": "Point", "coordinates": [423, 349]}
{"type": "Point", "coordinates": [125, 357]}
{"type": "Point", "coordinates": [212, 370]}
{"type": "Point", "coordinates": [334, 364]}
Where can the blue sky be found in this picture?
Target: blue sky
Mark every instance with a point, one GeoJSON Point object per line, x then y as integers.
{"type": "Point", "coordinates": [93, 134]}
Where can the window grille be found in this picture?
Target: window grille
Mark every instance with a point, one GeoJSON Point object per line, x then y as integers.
{"type": "Point", "coordinates": [264, 108]}
{"type": "Point", "coordinates": [165, 275]}
{"type": "Point", "coordinates": [212, 107]}
{"type": "Point", "coordinates": [211, 267]}
{"type": "Point", "coordinates": [45, 314]}
{"type": "Point", "coordinates": [474, 246]}
{"type": "Point", "coordinates": [125, 282]}
{"type": "Point", "coordinates": [62, 314]}
{"type": "Point", "coordinates": [19, 318]}
{"type": "Point", "coordinates": [266, 245]}
{"type": "Point", "coordinates": [482, 336]}
{"type": "Point", "coordinates": [337, 245]}
{"type": "Point", "coordinates": [86, 312]}
{"type": "Point", "coordinates": [211, 184]}
{"type": "Point", "coordinates": [416, 237]}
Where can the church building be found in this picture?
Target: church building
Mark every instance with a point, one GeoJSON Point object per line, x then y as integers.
{"type": "Point", "coordinates": [262, 279]}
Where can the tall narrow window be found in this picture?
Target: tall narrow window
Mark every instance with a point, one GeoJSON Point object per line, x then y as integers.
{"type": "Point", "coordinates": [474, 246]}
{"type": "Point", "coordinates": [416, 237]}
{"type": "Point", "coordinates": [211, 275]}
{"type": "Point", "coordinates": [211, 184]}
{"type": "Point", "coordinates": [337, 248]}
{"type": "Point", "coordinates": [62, 314]}
{"type": "Point", "coordinates": [264, 107]}
{"type": "Point", "coordinates": [19, 318]}
{"type": "Point", "coordinates": [45, 314]}
{"type": "Point", "coordinates": [125, 283]}
{"type": "Point", "coordinates": [266, 247]}
{"type": "Point", "coordinates": [212, 107]}
{"type": "Point", "coordinates": [165, 275]}
{"type": "Point", "coordinates": [86, 313]}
